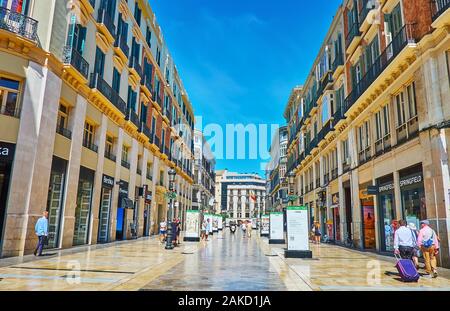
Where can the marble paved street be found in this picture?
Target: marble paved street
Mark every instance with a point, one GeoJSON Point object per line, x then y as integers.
{"type": "Point", "coordinates": [226, 262]}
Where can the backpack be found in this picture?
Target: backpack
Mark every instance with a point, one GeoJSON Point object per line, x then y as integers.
{"type": "Point", "coordinates": [428, 243]}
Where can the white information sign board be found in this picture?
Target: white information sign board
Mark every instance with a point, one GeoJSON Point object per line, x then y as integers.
{"type": "Point", "coordinates": [276, 226]}
{"type": "Point", "coordinates": [265, 225]}
{"type": "Point", "coordinates": [297, 228]}
{"type": "Point", "coordinates": [220, 223]}
{"type": "Point", "coordinates": [192, 224]}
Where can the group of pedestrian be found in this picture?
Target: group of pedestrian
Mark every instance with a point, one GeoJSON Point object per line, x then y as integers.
{"type": "Point", "coordinates": [411, 243]}
{"type": "Point", "coordinates": [176, 231]}
{"type": "Point", "coordinates": [247, 228]}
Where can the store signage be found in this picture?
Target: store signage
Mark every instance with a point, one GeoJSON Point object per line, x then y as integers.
{"type": "Point", "coordinates": [7, 151]}
{"type": "Point", "coordinates": [335, 199]}
{"type": "Point", "coordinates": [123, 189]}
{"type": "Point", "coordinates": [192, 224]}
{"type": "Point", "coordinates": [386, 187]}
{"type": "Point", "coordinates": [411, 180]}
{"type": "Point", "coordinates": [108, 181]}
{"type": "Point", "coordinates": [276, 226]}
{"type": "Point", "coordinates": [372, 190]}
{"type": "Point", "coordinates": [297, 228]}
{"type": "Point", "coordinates": [265, 225]}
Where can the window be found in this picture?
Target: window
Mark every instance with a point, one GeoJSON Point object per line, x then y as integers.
{"type": "Point", "coordinates": [149, 170]}
{"type": "Point", "coordinates": [406, 109]}
{"type": "Point", "coordinates": [137, 13]}
{"type": "Point", "coordinates": [9, 97]}
{"type": "Point", "coordinates": [148, 37]}
{"type": "Point", "coordinates": [116, 81]}
{"type": "Point", "coordinates": [364, 142]}
{"type": "Point", "coordinates": [99, 65]}
{"type": "Point", "coordinates": [163, 140]}
{"type": "Point", "coordinates": [89, 135]}
{"type": "Point", "coordinates": [63, 116]}
{"type": "Point", "coordinates": [125, 154]}
{"type": "Point", "coordinates": [109, 147]}
{"type": "Point", "coordinates": [382, 131]}
{"type": "Point", "coordinates": [16, 6]}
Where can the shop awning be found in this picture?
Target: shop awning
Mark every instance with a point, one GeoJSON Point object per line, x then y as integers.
{"type": "Point", "coordinates": [127, 203]}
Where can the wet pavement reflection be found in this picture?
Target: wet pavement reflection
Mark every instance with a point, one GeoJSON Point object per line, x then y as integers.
{"type": "Point", "coordinates": [227, 262]}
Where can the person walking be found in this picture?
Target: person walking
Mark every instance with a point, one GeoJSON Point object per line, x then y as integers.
{"type": "Point", "coordinates": [244, 227]}
{"type": "Point", "coordinates": [317, 233]}
{"type": "Point", "coordinates": [416, 252]}
{"type": "Point", "coordinates": [162, 231]}
{"type": "Point", "coordinates": [429, 245]}
{"type": "Point", "coordinates": [203, 234]}
{"type": "Point", "coordinates": [249, 229]}
{"type": "Point", "coordinates": [41, 230]}
{"type": "Point", "coordinates": [208, 228]}
{"type": "Point", "coordinates": [404, 241]}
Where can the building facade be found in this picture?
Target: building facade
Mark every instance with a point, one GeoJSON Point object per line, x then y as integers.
{"type": "Point", "coordinates": [241, 196]}
{"type": "Point", "coordinates": [370, 129]}
{"type": "Point", "coordinates": [204, 175]}
{"type": "Point", "coordinates": [93, 114]}
{"type": "Point", "coordinates": [277, 183]}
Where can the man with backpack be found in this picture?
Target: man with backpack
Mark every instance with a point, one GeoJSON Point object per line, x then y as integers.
{"type": "Point", "coordinates": [429, 245]}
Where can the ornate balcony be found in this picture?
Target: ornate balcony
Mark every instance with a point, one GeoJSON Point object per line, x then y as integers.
{"type": "Point", "coordinates": [90, 145]}
{"type": "Point", "coordinates": [107, 24]}
{"type": "Point", "coordinates": [133, 117]}
{"type": "Point", "coordinates": [353, 34]}
{"type": "Point", "coordinates": [122, 47]}
{"type": "Point", "coordinates": [438, 7]}
{"type": "Point", "coordinates": [399, 42]}
{"type": "Point", "coordinates": [134, 64]}
{"type": "Point", "coordinates": [109, 155]}
{"type": "Point", "coordinates": [19, 24]}
{"type": "Point", "coordinates": [97, 82]}
{"type": "Point", "coordinates": [73, 57]}
{"type": "Point", "coordinates": [126, 164]}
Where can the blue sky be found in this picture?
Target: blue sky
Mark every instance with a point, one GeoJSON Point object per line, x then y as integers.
{"type": "Point", "coordinates": [239, 59]}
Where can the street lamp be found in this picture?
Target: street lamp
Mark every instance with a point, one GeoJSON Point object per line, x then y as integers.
{"type": "Point", "coordinates": [169, 244]}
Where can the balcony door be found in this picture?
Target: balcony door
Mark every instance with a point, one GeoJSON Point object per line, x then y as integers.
{"type": "Point", "coordinates": [16, 6]}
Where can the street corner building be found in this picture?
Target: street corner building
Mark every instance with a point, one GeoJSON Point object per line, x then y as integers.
{"type": "Point", "coordinates": [93, 114]}
{"type": "Point", "coordinates": [369, 129]}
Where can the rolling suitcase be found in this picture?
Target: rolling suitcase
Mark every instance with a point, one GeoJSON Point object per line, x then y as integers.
{"type": "Point", "coordinates": [407, 269]}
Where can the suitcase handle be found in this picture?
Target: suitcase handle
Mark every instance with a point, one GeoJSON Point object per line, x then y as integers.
{"type": "Point", "coordinates": [397, 256]}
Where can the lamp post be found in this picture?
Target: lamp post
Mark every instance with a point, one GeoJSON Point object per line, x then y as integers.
{"type": "Point", "coordinates": [169, 244]}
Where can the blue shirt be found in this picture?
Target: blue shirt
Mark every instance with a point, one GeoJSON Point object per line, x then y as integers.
{"type": "Point", "coordinates": [208, 226]}
{"type": "Point", "coordinates": [41, 227]}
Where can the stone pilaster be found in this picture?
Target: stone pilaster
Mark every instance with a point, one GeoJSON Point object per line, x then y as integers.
{"type": "Point", "coordinates": [76, 123]}
{"type": "Point", "coordinates": [97, 191]}
{"type": "Point", "coordinates": [32, 165]}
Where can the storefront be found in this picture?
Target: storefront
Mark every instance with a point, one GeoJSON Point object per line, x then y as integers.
{"type": "Point", "coordinates": [123, 204]}
{"type": "Point", "coordinates": [6, 159]}
{"type": "Point", "coordinates": [55, 200]}
{"type": "Point", "coordinates": [386, 211]}
{"type": "Point", "coordinates": [147, 211]}
{"type": "Point", "coordinates": [84, 206]}
{"type": "Point", "coordinates": [105, 209]}
{"type": "Point", "coordinates": [368, 217]}
{"type": "Point", "coordinates": [413, 195]}
{"type": "Point", "coordinates": [336, 217]}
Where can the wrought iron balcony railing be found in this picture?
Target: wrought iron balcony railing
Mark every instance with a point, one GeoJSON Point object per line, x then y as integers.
{"type": "Point", "coordinates": [11, 110]}
{"type": "Point", "coordinates": [352, 33]}
{"type": "Point", "coordinates": [97, 82]}
{"type": "Point", "coordinates": [64, 132]}
{"type": "Point", "coordinates": [338, 61]}
{"type": "Point", "coordinates": [90, 145]}
{"type": "Point", "coordinates": [19, 24]}
{"type": "Point", "coordinates": [109, 155]}
{"type": "Point", "coordinates": [125, 164]}
{"type": "Point", "coordinates": [133, 117]}
{"type": "Point", "coordinates": [399, 42]}
{"type": "Point", "coordinates": [121, 43]}
{"type": "Point", "coordinates": [366, 7]}
{"type": "Point", "coordinates": [134, 63]}
{"type": "Point", "coordinates": [73, 57]}
{"type": "Point", "coordinates": [438, 7]}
